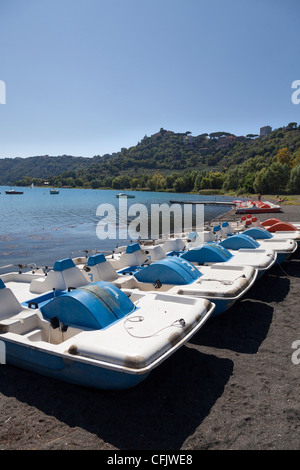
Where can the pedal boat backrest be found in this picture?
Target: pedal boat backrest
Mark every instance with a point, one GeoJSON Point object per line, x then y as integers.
{"type": "Point", "coordinates": [63, 276]}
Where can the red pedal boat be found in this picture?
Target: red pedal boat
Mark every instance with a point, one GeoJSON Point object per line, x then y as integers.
{"type": "Point", "coordinates": [256, 207]}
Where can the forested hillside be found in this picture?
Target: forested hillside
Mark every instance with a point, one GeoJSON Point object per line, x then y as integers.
{"type": "Point", "coordinates": [176, 162]}
{"type": "Point", "coordinates": [38, 169]}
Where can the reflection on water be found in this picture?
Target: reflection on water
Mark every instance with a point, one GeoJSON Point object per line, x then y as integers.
{"type": "Point", "coordinates": [41, 228]}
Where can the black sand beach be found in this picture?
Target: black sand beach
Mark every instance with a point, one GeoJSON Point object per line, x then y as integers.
{"type": "Point", "coordinates": [234, 386]}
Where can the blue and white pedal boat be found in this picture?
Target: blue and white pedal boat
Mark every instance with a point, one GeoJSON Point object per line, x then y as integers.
{"type": "Point", "coordinates": [211, 253]}
{"type": "Point", "coordinates": [255, 238]}
{"type": "Point", "coordinates": [97, 335]}
{"type": "Point", "coordinates": [25, 284]}
{"type": "Point", "coordinates": [280, 230]}
{"type": "Point", "coordinates": [222, 285]}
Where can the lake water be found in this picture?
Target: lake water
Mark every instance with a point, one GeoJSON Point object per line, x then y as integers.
{"type": "Point", "coordinates": [37, 227]}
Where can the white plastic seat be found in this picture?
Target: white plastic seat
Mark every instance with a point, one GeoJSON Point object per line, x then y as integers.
{"type": "Point", "coordinates": [63, 276]}
{"type": "Point", "coordinates": [173, 244]}
{"type": "Point", "coordinates": [133, 256]}
{"type": "Point", "coordinates": [98, 269]}
{"type": "Point", "coordinates": [154, 252]}
{"type": "Point", "coordinates": [9, 305]}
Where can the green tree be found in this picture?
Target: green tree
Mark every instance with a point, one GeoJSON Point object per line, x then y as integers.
{"type": "Point", "coordinates": [260, 182]}
{"type": "Point", "coordinates": [283, 156]}
{"type": "Point", "coordinates": [78, 182]}
{"type": "Point", "coordinates": [296, 159]}
{"type": "Point", "coordinates": [216, 180]}
{"type": "Point", "coordinates": [107, 182]}
{"type": "Point", "coordinates": [134, 183]}
{"type": "Point", "coordinates": [179, 185]}
{"type": "Point", "coordinates": [294, 183]}
{"type": "Point", "coordinates": [170, 180]}
{"type": "Point", "coordinates": [121, 182]}
{"type": "Point", "coordinates": [278, 175]}
{"type": "Point", "coordinates": [248, 182]}
{"type": "Point", "coordinates": [198, 179]}
{"type": "Point", "coordinates": [232, 179]}
{"type": "Point", "coordinates": [157, 182]}
{"type": "Point", "coordinates": [272, 179]}
{"type": "Point", "coordinates": [95, 183]}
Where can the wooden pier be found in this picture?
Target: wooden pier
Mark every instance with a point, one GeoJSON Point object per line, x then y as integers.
{"type": "Point", "coordinates": [208, 203]}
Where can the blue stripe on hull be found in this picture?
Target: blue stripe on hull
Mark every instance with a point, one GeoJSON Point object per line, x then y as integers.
{"type": "Point", "coordinates": [281, 257]}
{"type": "Point", "coordinates": [260, 273]}
{"type": "Point", "coordinates": [221, 305]}
{"type": "Point", "coordinates": [69, 370]}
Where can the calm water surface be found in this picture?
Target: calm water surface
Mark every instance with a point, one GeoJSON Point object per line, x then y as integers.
{"type": "Point", "coordinates": [37, 227]}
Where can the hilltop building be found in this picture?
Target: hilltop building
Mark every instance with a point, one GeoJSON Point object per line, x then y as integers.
{"type": "Point", "coordinates": [225, 141]}
{"type": "Point", "coordinates": [264, 131]}
{"type": "Point", "coordinates": [188, 139]}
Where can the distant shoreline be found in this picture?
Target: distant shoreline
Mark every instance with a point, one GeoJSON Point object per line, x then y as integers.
{"type": "Point", "coordinates": [288, 198]}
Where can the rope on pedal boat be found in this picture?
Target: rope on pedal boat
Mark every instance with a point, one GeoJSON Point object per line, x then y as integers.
{"type": "Point", "coordinates": [138, 318]}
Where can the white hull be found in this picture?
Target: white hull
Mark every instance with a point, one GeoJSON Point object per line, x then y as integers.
{"type": "Point", "coordinates": [117, 354]}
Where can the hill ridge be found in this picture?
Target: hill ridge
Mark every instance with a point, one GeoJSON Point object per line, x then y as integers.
{"type": "Point", "coordinates": [165, 160]}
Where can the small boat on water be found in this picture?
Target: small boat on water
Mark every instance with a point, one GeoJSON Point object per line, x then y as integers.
{"type": "Point", "coordinates": [256, 207]}
{"type": "Point", "coordinates": [130, 196]}
{"type": "Point", "coordinates": [13, 191]}
{"type": "Point", "coordinates": [97, 335]}
{"type": "Point", "coordinates": [54, 191]}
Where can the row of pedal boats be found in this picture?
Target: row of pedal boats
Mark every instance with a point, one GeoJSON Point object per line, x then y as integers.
{"type": "Point", "coordinates": [106, 320]}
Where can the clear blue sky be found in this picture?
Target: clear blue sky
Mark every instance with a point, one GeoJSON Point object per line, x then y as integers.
{"type": "Point", "coordinates": [87, 77]}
